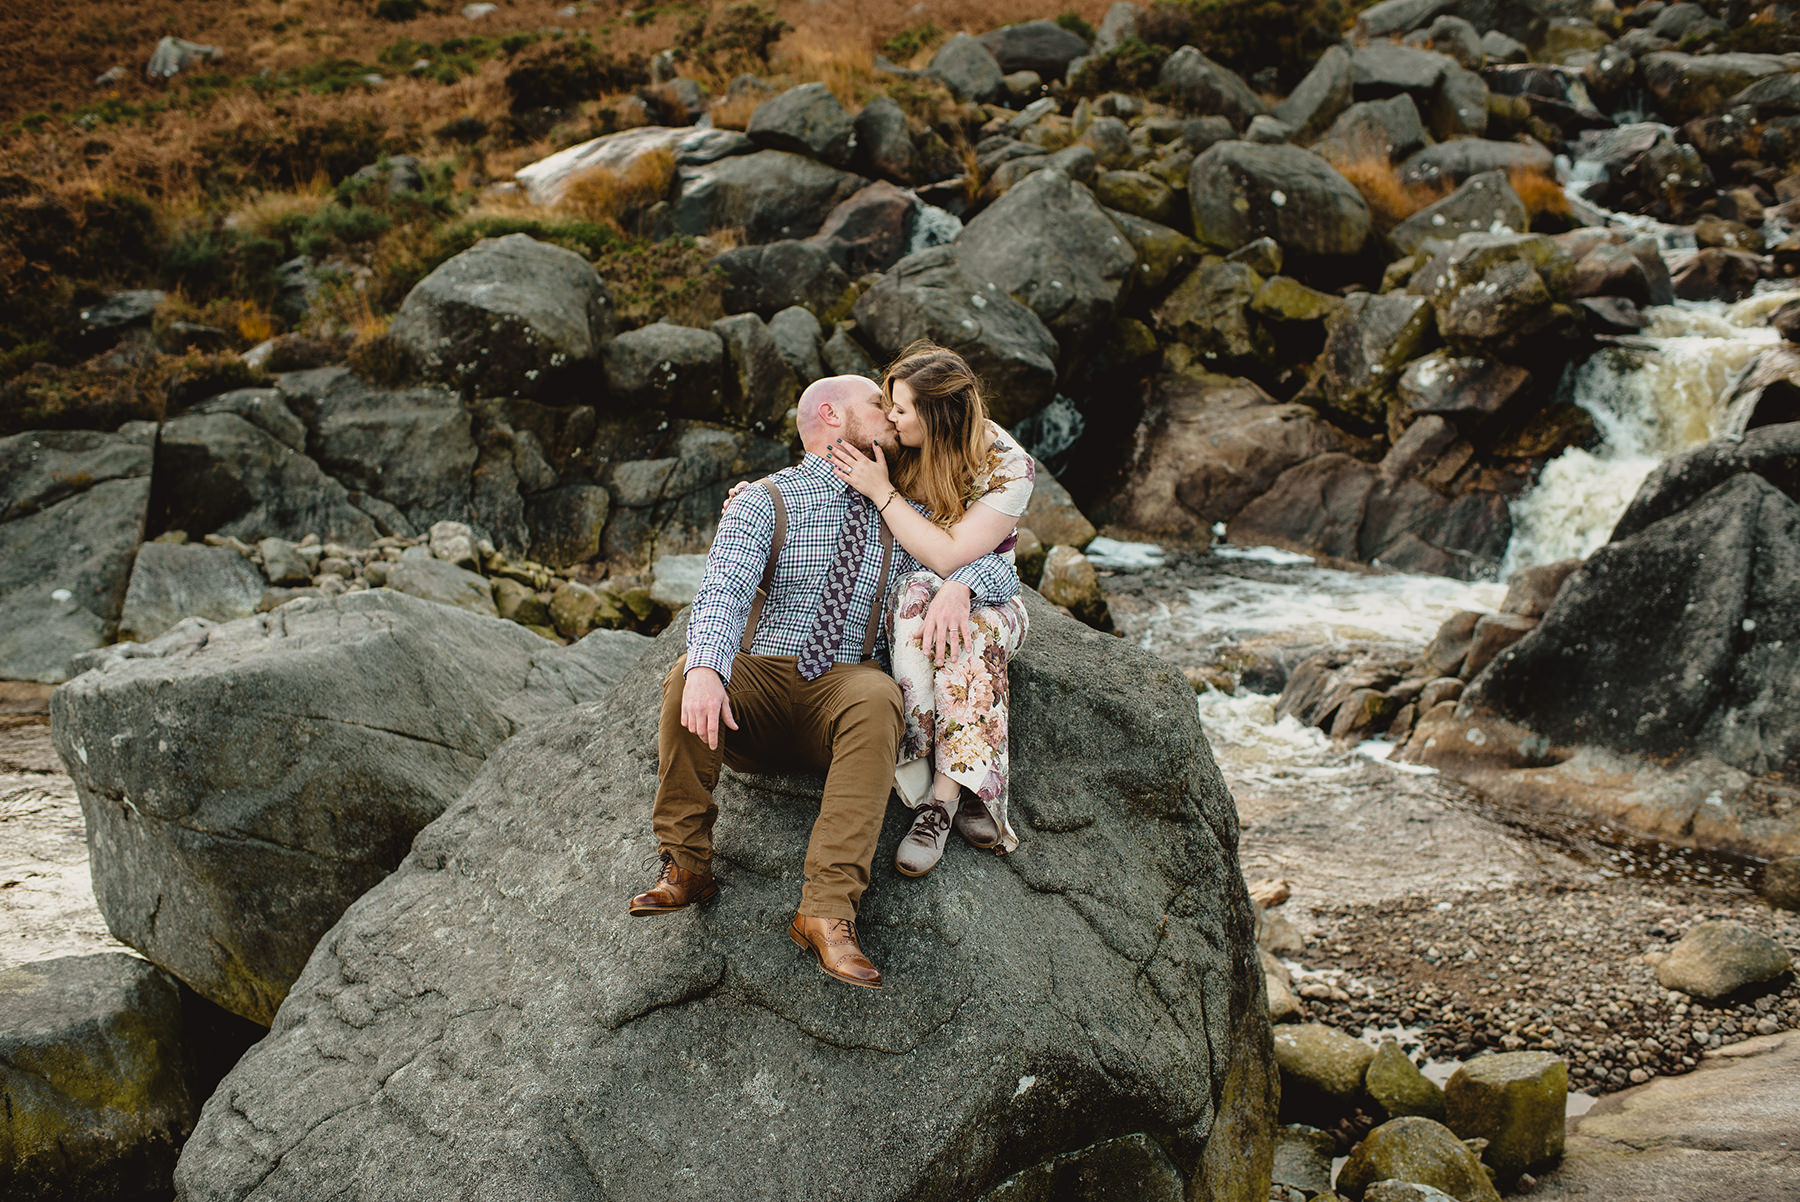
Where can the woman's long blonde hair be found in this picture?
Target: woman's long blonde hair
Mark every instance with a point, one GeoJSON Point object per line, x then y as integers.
{"type": "Point", "coordinates": [947, 398]}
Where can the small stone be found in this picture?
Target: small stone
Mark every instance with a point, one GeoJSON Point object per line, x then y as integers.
{"type": "Point", "coordinates": [1315, 1057]}
{"type": "Point", "coordinates": [519, 603]}
{"type": "Point", "coordinates": [1514, 1100]}
{"type": "Point", "coordinates": [282, 564]}
{"type": "Point", "coordinates": [454, 542]}
{"type": "Point", "coordinates": [572, 609]}
{"type": "Point", "coordinates": [1420, 1151]}
{"type": "Point", "coordinates": [1780, 883]}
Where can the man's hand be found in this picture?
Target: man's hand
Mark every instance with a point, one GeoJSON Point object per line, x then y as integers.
{"type": "Point", "coordinates": [947, 632]}
{"type": "Point", "coordinates": [704, 703]}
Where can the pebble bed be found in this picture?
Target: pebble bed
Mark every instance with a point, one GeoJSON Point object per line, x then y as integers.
{"type": "Point", "coordinates": [1552, 966]}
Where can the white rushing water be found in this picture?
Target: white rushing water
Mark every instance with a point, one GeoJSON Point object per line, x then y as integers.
{"type": "Point", "coordinates": [1652, 396]}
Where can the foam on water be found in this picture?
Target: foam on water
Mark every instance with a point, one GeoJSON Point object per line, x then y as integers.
{"type": "Point", "coordinates": [1319, 606]}
{"type": "Point", "coordinates": [1114, 555]}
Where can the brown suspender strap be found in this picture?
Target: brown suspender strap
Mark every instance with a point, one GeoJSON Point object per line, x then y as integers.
{"type": "Point", "coordinates": [875, 606]}
{"type": "Point", "coordinates": [768, 576]}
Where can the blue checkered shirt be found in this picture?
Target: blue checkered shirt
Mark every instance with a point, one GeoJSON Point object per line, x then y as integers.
{"type": "Point", "coordinates": [816, 504]}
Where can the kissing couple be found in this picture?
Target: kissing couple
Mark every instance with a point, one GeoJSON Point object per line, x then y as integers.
{"type": "Point", "coordinates": [816, 643]}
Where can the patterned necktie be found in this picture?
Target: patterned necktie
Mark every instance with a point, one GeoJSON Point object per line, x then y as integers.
{"type": "Point", "coordinates": [820, 651]}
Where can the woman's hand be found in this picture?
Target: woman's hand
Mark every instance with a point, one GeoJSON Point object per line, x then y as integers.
{"type": "Point", "coordinates": [947, 632]}
{"type": "Point", "coordinates": [731, 496]}
{"type": "Point", "coordinates": [867, 476]}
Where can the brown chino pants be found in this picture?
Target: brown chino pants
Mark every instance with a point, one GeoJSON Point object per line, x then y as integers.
{"type": "Point", "coordinates": [846, 724]}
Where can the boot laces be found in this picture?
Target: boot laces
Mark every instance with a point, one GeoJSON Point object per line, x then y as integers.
{"type": "Point", "coordinates": [933, 821]}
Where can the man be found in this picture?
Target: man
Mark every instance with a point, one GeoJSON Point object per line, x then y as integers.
{"type": "Point", "coordinates": [791, 678]}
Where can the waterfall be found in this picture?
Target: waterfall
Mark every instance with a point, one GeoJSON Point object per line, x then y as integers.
{"type": "Point", "coordinates": [1650, 396]}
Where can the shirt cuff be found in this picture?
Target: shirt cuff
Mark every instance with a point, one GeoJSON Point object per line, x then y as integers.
{"type": "Point", "coordinates": [710, 657]}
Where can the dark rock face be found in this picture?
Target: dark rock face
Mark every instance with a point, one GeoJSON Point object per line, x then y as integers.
{"type": "Point", "coordinates": [219, 473]}
{"type": "Point", "coordinates": [884, 145]}
{"type": "Point", "coordinates": [1240, 191]}
{"type": "Point", "coordinates": [273, 769]}
{"type": "Point", "coordinates": [1208, 447]}
{"type": "Point", "coordinates": [1692, 85]}
{"type": "Point", "coordinates": [509, 316]}
{"type": "Point", "coordinates": [1318, 99]}
{"type": "Point", "coordinates": [1677, 639]}
{"type": "Point", "coordinates": [488, 1020]}
{"type": "Point", "coordinates": [929, 295]}
{"type": "Point", "coordinates": [1369, 340]}
{"type": "Point", "coordinates": [770, 195]}
{"type": "Point", "coordinates": [759, 385]}
{"type": "Point", "coordinates": [1041, 46]}
{"type": "Point", "coordinates": [1048, 243]}
{"type": "Point", "coordinates": [807, 120]}
{"type": "Point", "coordinates": [72, 512]}
{"type": "Point", "coordinates": [1647, 170]}
{"type": "Point", "coordinates": [1718, 274]}
{"type": "Point", "coordinates": [1493, 292]}
{"type": "Point", "coordinates": [1388, 130]}
{"type": "Point", "coordinates": [95, 1092]}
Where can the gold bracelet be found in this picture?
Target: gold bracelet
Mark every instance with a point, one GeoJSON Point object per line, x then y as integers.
{"type": "Point", "coordinates": [885, 501]}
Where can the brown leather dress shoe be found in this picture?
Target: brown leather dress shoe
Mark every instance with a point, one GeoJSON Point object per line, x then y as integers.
{"type": "Point", "coordinates": [833, 941]}
{"type": "Point", "coordinates": [976, 825]}
{"type": "Point", "coordinates": [676, 888]}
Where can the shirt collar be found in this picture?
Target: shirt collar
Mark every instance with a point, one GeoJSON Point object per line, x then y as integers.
{"type": "Point", "coordinates": [820, 466]}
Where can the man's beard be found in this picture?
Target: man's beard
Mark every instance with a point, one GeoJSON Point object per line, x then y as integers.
{"type": "Point", "coordinates": [865, 440]}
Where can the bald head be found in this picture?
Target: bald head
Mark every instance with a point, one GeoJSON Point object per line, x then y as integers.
{"type": "Point", "coordinates": [847, 407]}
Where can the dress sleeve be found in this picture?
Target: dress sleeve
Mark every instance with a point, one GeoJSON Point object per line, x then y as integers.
{"type": "Point", "coordinates": [1010, 475]}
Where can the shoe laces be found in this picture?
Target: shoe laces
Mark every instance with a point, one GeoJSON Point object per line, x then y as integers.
{"type": "Point", "coordinates": [666, 863]}
{"type": "Point", "coordinates": [933, 820]}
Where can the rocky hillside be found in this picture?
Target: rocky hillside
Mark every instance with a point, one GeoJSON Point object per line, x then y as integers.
{"type": "Point", "coordinates": [1306, 273]}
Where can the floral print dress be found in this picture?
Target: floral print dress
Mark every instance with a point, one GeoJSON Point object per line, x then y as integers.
{"type": "Point", "coordinates": [956, 715]}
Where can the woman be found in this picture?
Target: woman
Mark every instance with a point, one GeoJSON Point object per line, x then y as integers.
{"type": "Point", "coordinates": [974, 482]}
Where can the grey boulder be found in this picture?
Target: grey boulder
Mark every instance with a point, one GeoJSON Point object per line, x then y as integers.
{"type": "Point", "coordinates": [73, 505]}
{"type": "Point", "coordinates": [759, 385]}
{"type": "Point", "coordinates": [1240, 191]}
{"type": "Point", "coordinates": [670, 504]}
{"type": "Point", "coordinates": [96, 1094]}
{"type": "Point", "coordinates": [1041, 46]}
{"type": "Point", "coordinates": [772, 276]}
{"type": "Point", "coordinates": [929, 294]}
{"type": "Point", "coordinates": [1716, 959]}
{"type": "Point", "coordinates": [807, 120]}
{"type": "Point", "coordinates": [1454, 161]}
{"type": "Point", "coordinates": [1696, 609]}
{"type": "Point", "coordinates": [769, 195]}
{"type": "Point", "coordinates": [244, 782]}
{"type": "Point", "coordinates": [443, 583]}
{"type": "Point", "coordinates": [665, 368]}
{"type": "Point", "coordinates": [968, 69]}
{"type": "Point", "coordinates": [489, 1021]}
{"type": "Point", "coordinates": [1200, 85]}
{"type": "Point", "coordinates": [170, 582]}
{"type": "Point", "coordinates": [1484, 203]}
{"type": "Point", "coordinates": [1049, 244]}
{"type": "Point", "coordinates": [1318, 99]}
{"type": "Point", "coordinates": [510, 316]}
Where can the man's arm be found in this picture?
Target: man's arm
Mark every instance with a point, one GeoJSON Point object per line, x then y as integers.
{"type": "Point", "coordinates": [734, 566]}
{"type": "Point", "coordinates": [991, 580]}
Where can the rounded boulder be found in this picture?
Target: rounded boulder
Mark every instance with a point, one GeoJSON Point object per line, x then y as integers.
{"type": "Point", "coordinates": [1240, 191]}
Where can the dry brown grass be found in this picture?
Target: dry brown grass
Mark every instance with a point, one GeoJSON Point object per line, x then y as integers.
{"type": "Point", "coordinates": [1390, 199]}
{"type": "Point", "coordinates": [1540, 192]}
{"type": "Point", "coordinates": [617, 197]}
{"type": "Point", "coordinates": [733, 112]}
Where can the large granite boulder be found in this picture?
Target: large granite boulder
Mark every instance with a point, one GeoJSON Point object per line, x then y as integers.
{"type": "Point", "coordinates": [72, 512]}
{"type": "Point", "coordinates": [807, 120]}
{"type": "Point", "coordinates": [1495, 292]}
{"type": "Point", "coordinates": [170, 582]}
{"type": "Point", "coordinates": [1695, 611]}
{"type": "Point", "coordinates": [1202, 86]}
{"type": "Point", "coordinates": [244, 782]}
{"type": "Point", "coordinates": [769, 195]}
{"type": "Point", "coordinates": [929, 294]}
{"type": "Point", "coordinates": [490, 1021]}
{"type": "Point", "coordinates": [770, 276]}
{"type": "Point", "coordinates": [1049, 244]}
{"type": "Point", "coordinates": [759, 385]}
{"type": "Point", "coordinates": [1772, 452]}
{"type": "Point", "coordinates": [969, 69]}
{"type": "Point", "coordinates": [96, 1092]}
{"type": "Point", "coordinates": [666, 368]}
{"type": "Point", "coordinates": [1483, 204]}
{"type": "Point", "coordinates": [1318, 99]}
{"type": "Point", "coordinates": [510, 316]}
{"type": "Point", "coordinates": [872, 230]}
{"type": "Point", "coordinates": [1368, 340]}
{"type": "Point", "coordinates": [1240, 191]}
{"type": "Point", "coordinates": [218, 473]}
